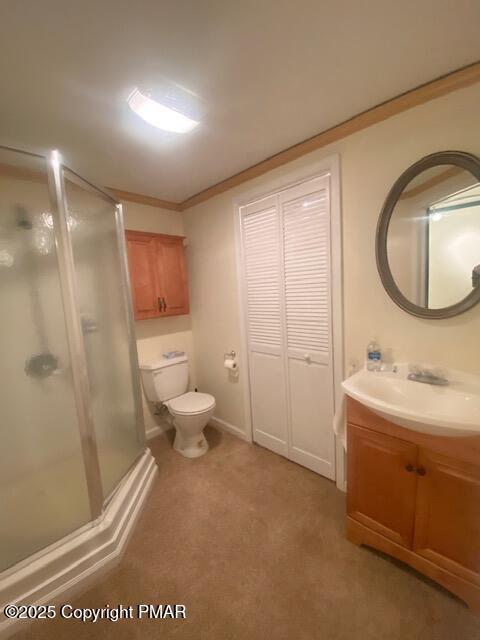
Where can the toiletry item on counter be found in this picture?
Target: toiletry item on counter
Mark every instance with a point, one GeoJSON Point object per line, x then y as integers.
{"type": "Point", "coordinates": [374, 356]}
{"type": "Point", "coordinates": [173, 354]}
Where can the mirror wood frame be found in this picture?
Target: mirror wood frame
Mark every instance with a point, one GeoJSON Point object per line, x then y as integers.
{"type": "Point", "coordinates": [466, 161]}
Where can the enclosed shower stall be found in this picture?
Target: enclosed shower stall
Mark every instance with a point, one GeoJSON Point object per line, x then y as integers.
{"type": "Point", "coordinates": [72, 430]}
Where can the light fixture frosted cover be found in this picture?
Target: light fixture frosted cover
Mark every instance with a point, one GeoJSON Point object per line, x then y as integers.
{"type": "Point", "coordinates": [159, 115]}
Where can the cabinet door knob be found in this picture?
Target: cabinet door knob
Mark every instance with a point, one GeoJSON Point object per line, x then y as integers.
{"type": "Point", "coordinates": [421, 471]}
{"type": "Point", "coordinates": [409, 467]}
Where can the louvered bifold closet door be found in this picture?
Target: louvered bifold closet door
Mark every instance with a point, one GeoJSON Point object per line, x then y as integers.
{"type": "Point", "coordinates": [305, 222]}
{"type": "Point", "coordinates": [263, 286]}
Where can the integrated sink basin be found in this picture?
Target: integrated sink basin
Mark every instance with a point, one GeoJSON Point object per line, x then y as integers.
{"type": "Point", "coordinates": [452, 410]}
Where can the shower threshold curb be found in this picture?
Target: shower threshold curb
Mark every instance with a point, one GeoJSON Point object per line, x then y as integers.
{"type": "Point", "coordinates": [74, 563]}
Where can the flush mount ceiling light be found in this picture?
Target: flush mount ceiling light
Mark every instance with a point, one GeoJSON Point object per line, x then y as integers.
{"type": "Point", "coordinates": [159, 115]}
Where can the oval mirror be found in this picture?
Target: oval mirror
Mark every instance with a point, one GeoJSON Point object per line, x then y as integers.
{"type": "Point", "coordinates": [428, 236]}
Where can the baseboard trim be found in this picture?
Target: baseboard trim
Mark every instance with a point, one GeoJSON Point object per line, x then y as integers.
{"type": "Point", "coordinates": [231, 428]}
{"type": "Point", "coordinates": [153, 432]}
{"type": "Point", "coordinates": [74, 563]}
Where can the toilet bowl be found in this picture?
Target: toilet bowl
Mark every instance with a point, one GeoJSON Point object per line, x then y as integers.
{"type": "Point", "coordinates": [165, 381]}
{"type": "Point", "coordinates": [191, 413]}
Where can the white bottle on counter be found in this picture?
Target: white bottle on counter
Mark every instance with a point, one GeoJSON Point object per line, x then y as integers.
{"type": "Point", "coordinates": [374, 356]}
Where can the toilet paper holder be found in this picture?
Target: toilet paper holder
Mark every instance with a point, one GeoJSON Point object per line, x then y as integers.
{"type": "Point", "coordinates": [230, 363]}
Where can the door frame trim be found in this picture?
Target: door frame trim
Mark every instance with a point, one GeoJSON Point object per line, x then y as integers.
{"type": "Point", "coordinates": [329, 165]}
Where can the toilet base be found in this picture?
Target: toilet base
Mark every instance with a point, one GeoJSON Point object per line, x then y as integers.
{"type": "Point", "coordinates": [190, 447]}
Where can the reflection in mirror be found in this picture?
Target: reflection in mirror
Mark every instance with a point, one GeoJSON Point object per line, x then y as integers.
{"type": "Point", "coordinates": [433, 240]}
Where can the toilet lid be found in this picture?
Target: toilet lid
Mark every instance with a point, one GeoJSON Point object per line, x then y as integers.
{"type": "Point", "coordinates": [192, 402]}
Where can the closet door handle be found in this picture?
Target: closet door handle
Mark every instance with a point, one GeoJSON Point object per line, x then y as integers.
{"type": "Point", "coordinates": [164, 304]}
{"type": "Point", "coordinates": [159, 303]}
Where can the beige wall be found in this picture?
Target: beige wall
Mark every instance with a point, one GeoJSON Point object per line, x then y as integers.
{"type": "Point", "coordinates": [157, 335]}
{"type": "Point", "coordinates": [371, 160]}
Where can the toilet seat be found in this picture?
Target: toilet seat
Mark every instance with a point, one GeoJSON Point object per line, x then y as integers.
{"type": "Point", "coordinates": [191, 403]}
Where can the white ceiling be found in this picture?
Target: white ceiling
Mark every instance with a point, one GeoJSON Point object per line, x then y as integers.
{"type": "Point", "coordinates": [266, 73]}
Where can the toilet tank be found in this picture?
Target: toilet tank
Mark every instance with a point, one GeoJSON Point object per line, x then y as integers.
{"type": "Point", "coordinates": [165, 378]}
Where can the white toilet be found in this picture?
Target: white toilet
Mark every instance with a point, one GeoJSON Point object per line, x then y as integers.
{"type": "Point", "coordinates": [166, 381]}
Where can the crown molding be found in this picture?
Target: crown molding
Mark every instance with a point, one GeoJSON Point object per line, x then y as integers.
{"type": "Point", "coordinates": [441, 86]}
{"type": "Point", "coordinates": [141, 199]}
{"type": "Point", "coordinates": [459, 79]}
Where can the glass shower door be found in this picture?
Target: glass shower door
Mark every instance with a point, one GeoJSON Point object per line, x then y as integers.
{"type": "Point", "coordinates": [111, 362]}
{"type": "Point", "coordinates": [43, 490]}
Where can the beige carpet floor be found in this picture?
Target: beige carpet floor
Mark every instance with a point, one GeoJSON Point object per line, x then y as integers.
{"type": "Point", "coordinates": [254, 546]}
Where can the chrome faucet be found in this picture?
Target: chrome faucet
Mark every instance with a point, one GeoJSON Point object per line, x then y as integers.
{"type": "Point", "coordinates": [427, 376]}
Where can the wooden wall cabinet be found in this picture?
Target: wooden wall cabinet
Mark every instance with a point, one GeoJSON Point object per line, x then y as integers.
{"type": "Point", "coordinates": [158, 274]}
{"type": "Point", "coordinates": [417, 498]}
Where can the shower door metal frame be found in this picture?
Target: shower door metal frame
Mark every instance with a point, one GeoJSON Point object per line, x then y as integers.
{"type": "Point", "coordinates": [74, 332]}
{"type": "Point", "coordinates": [76, 344]}
{"type": "Point", "coordinates": [132, 339]}
{"type": "Point", "coordinates": [75, 337]}
{"type": "Point", "coordinates": [126, 295]}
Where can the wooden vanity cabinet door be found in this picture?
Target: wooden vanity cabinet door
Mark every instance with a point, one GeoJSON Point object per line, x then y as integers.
{"type": "Point", "coordinates": [447, 526]}
{"type": "Point", "coordinates": [172, 276]}
{"type": "Point", "coordinates": [381, 483]}
{"type": "Point", "coordinates": [143, 277]}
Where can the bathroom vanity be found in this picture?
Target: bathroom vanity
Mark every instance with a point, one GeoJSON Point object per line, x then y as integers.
{"type": "Point", "coordinates": [416, 496]}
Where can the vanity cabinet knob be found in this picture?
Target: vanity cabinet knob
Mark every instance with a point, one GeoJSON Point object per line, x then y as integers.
{"type": "Point", "coordinates": [409, 468]}
{"type": "Point", "coordinates": [421, 471]}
